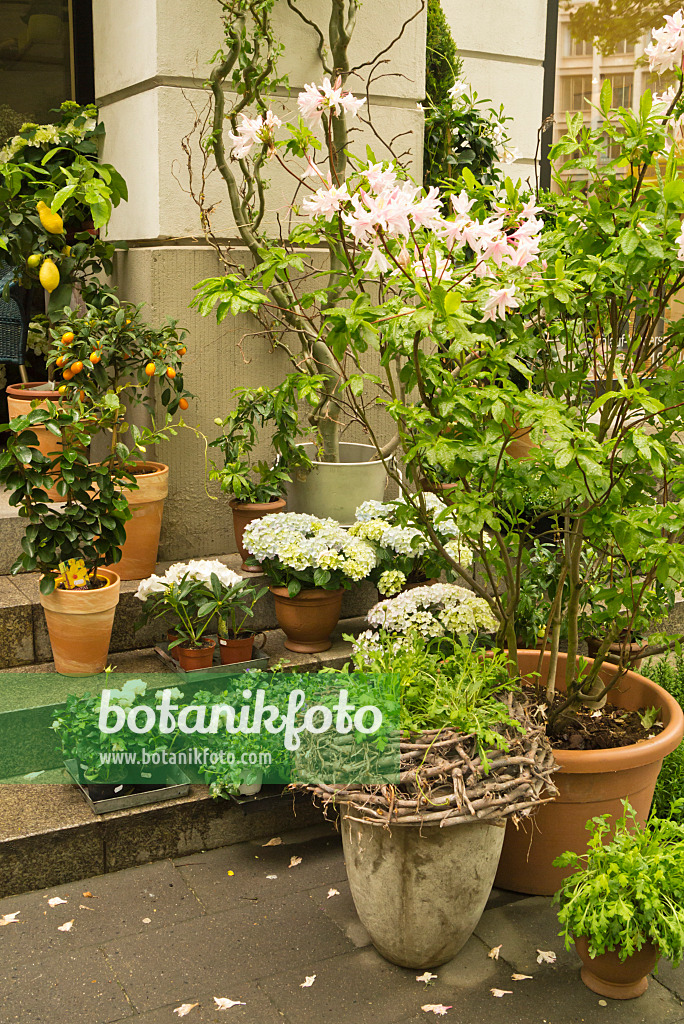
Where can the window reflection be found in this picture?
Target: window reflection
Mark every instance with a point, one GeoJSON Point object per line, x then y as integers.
{"type": "Point", "coordinates": [35, 64]}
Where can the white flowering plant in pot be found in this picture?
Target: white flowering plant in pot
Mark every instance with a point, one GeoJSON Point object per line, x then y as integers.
{"type": "Point", "coordinates": [195, 594]}
{"type": "Point", "coordinates": [403, 553]}
{"type": "Point", "coordinates": [299, 551]}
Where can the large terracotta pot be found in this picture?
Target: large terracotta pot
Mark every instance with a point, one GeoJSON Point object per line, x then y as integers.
{"type": "Point", "coordinates": [590, 782]}
{"type": "Point", "coordinates": [139, 552]}
{"type": "Point", "coordinates": [80, 626]}
{"type": "Point", "coordinates": [19, 399]}
{"type": "Point", "coordinates": [309, 618]}
{"type": "Point", "coordinates": [420, 890]}
{"type": "Point", "coordinates": [615, 978]}
{"type": "Point", "coordinates": [245, 512]}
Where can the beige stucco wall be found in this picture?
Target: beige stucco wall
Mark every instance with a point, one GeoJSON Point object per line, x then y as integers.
{"type": "Point", "coordinates": [502, 46]}
{"type": "Point", "coordinates": [145, 105]}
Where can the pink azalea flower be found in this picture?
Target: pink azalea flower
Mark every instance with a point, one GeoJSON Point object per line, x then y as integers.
{"type": "Point", "coordinates": [377, 261]}
{"type": "Point", "coordinates": [325, 202]}
{"type": "Point", "coordinates": [498, 302]}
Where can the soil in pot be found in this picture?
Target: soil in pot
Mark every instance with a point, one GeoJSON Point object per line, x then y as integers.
{"type": "Point", "coordinates": [190, 658]}
{"type": "Point", "coordinates": [309, 618]}
{"type": "Point", "coordinates": [590, 783]}
{"type": "Point", "coordinates": [618, 979]}
{"type": "Point", "coordinates": [420, 890]}
{"type": "Point", "coordinates": [245, 512]}
{"type": "Point", "coordinates": [139, 551]}
{"type": "Point", "coordinates": [80, 623]}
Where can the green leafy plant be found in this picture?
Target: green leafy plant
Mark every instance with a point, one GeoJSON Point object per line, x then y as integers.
{"type": "Point", "coordinates": [442, 63]}
{"type": "Point", "coordinates": [626, 890]}
{"type": "Point", "coordinates": [58, 165]}
{"type": "Point", "coordinates": [90, 522]}
{"type": "Point", "coordinates": [258, 411]}
{"type": "Point", "coordinates": [669, 673]}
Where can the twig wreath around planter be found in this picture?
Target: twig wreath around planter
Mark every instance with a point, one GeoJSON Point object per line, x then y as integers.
{"type": "Point", "coordinates": [446, 780]}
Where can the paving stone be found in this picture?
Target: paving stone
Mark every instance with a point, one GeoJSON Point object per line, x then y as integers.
{"type": "Point", "coordinates": [120, 903]}
{"type": "Point", "coordinates": [340, 909]}
{"type": "Point", "coordinates": [216, 953]}
{"type": "Point", "coordinates": [16, 626]}
{"type": "Point", "coordinates": [62, 988]}
{"type": "Point", "coordinates": [207, 873]}
{"type": "Point", "coordinates": [363, 988]}
{"type": "Point", "coordinates": [672, 978]}
{"type": "Point", "coordinates": [523, 928]}
{"type": "Point", "coordinates": [258, 1008]}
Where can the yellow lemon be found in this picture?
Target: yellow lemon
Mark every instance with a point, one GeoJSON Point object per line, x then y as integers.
{"type": "Point", "coordinates": [49, 275]}
{"type": "Point", "coordinates": [52, 222]}
{"type": "Point", "coordinates": [34, 260]}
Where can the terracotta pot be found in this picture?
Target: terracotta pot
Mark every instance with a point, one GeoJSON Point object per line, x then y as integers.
{"type": "Point", "coordinates": [19, 399]}
{"type": "Point", "coordinates": [171, 635]}
{"type": "Point", "coordinates": [309, 618]}
{"type": "Point", "coordinates": [233, 650]}
{"type": "Point", "coordinates": [590, 782]}
{"type": "Point", "coordinates": [615, 650]}
{"type": "Point", "coordinates": [245, 512]}
{"type": "Point", "coordinates": [80, 626]}
{"type": "Point", "coordinates": [191, 658]}
{"type": "Point", "coordinates": [139, 551]}
{"type": "Point", "coordinates": [615, 978]}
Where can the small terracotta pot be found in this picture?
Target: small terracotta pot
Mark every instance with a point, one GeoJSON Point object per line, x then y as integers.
{"type": "Point", "coordinates": [618, 979]}
{"type": "Point", "coordinates": [80, 626]}
{"type": "Point", "coordinates": [309, 618]}
{"type": "Point", "coordinates": [19, 399]}
{"type": "Point", "coordinates": [139, 551]}
{"type": "Point", "coordinates": [590, 783]}
{"type": "Point", "coordinates": [233, 650]}
{"type": "Point", "coordinates": [171, 635]}
{"type": "Point", "coordinates": [245, 512]}
{"type": "Point", "coordinates": [191, 658]}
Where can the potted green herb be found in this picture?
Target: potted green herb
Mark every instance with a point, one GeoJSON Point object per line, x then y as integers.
{"type": "Point", "coordinates": [622, 904]}
{"type": "Point", "coordinates": [88, 528]}
{"type": "Point", "coordinates": [257, 484]}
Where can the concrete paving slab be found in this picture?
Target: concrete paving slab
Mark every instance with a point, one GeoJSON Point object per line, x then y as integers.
{"type": "Point", "coordinates": [340, 909]}
{"type": "Point", "coordinates": [251, 939]}
{"type": "Point", "coordinates": [523, 928]}
{"type": "Point", "coordinates": [62, 988]}
{"type": "Point", "coordinates": [123, 903]}
{"type": "Point", "coordinates": [258, 1008]}
{"type": "Point", "coordinates": [252, 863]}
{"type": "Point", "coordinates": [672, 978]}
{"type": "Point", "coordinates": [16, 626]}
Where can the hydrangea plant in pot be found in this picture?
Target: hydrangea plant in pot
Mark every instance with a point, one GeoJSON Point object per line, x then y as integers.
{"type": "Point", "coordinates": [89, 526]}
{"type": "Point", "coordinates": [621, 903]}
{"type": "Point", "coordinates": [257, 485]}
{"type": "Point", "coordinates": [109, 351]}
{"type": "Point", "coordinates": [310, 562]}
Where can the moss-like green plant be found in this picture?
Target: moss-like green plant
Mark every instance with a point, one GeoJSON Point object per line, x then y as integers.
{"type": "Point", "coordinates": [442, 63]}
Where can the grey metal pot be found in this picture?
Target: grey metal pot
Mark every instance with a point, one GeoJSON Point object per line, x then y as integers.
{"type": "Point", "coordinates": [420, 890]}
{"type": "Point", "coordinates": [334, 490]}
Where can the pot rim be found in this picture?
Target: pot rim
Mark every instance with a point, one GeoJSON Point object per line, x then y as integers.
{"type": "Point", "coordinates": [21, 393]}
{"type": "Point", "coordinates": [355, 444]}
{"type": "Point", "coordinates": [634, 755]}
{"type": "Point", "coordinates": [258, 506]}
{"type": "Point", "coordinates": [207, 645]}
{"type": "Point", "coordinates": [71, 602]}
{"type": "Point", "coordinates": [314, 592]}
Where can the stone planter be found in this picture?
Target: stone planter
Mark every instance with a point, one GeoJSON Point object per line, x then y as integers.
{"type": "Point", "coordinates": [590, 782]}
{"type": "Point", "coordinates": [420, 890]}
{"type": "Point", "coordinates": [334, 490]}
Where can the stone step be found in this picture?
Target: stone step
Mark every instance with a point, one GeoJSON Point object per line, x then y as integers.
{"type": "Point", "coordinates": [24, 637]}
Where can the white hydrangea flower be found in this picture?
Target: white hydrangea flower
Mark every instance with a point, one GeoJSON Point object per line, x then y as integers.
{"type": "Point", "coordinates": [391, 582]}
{"type": "Point", "coordinates": [436, 610]}
{"type": "Point", "coordinates": [300, 542]}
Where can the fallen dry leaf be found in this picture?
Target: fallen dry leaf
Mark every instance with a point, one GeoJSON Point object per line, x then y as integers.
{"type": "Point", "coordinates": [521, 977]}
{"type": "Point", "coordinates": [294, 861]}
{"type": "Point", "coordinates": [185, 1009]}
{"type": "Point", "coordinates": [493, 953]}
{"type": "Point", "coordinates": [333, 892]}
{"type": "Point", "coordinates": [500, 992]}
{"type": "Point", "coordinates": [10, 918]}
{"type": "Point", "coordinates": [147, 920]}
{"type": "Point", "coordinates": [89, 895]}
{"type": "Point", "coordinates": [602, 1002]}
{"type": "Point", "coordinates": [274, 842]}
{"type": "Point", "coordinates": [66, 927]}
{"type": "Point", "coordinates": [425, 977]}
{"type": "Point", "coordinates": [82, 906]}
{"type": "Point", "coordinates": [55, 901]}
{"type": "Point", "coordinates": [546, 956]}
{"type": "Point", "coordinates": [225, 1004]}
{"type": "Point", "coordinates": [271, 876]}
{"type": "Point", "coordinates": [436, 1008]}
{"type": "Point", "coordinates": [308, 981]}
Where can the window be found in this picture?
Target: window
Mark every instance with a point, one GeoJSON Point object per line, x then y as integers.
{"type": "Point", "coordinates": [576, 92]}
{"type": "Point", "coordinates": [623, 87]}
{"type": "Point", "coordinates": [575, 47]}
{"type": "Point", "coordinates": [624, 47]}
{"type": "Point", "coordinates": [45, 57]}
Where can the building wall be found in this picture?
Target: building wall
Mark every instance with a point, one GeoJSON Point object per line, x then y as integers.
{"type": "Point", "coordinates": [146, 103]}
{"type": "Point", "coordinates": [502, 46]}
